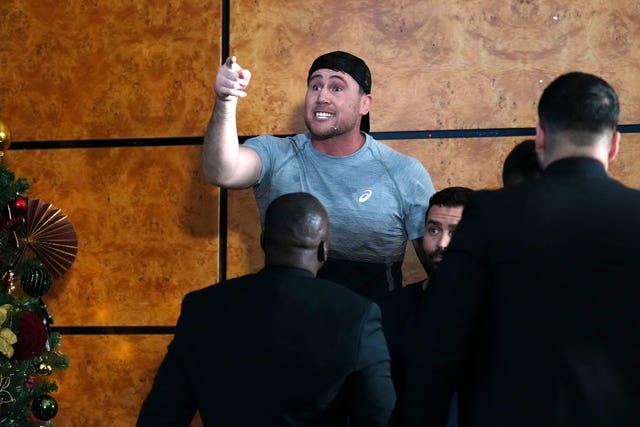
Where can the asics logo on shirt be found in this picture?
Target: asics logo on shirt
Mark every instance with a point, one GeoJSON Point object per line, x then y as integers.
{"type": "Point", "coordinates": [365, 196]}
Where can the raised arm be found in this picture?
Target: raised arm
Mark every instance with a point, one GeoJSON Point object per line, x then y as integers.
{"type": "Point", "coordinates": [224, 161]}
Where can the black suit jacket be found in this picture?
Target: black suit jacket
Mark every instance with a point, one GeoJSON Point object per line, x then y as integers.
{"type": "Point", "coordinates": [399, 310]}
{"type": "Point", "coordinates": [535, 310]}
{"type": "Point", "coordinates": [277, 348]}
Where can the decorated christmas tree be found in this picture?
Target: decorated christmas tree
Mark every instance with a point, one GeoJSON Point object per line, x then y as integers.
{"type": "Point", "coordinates": [37, 245]}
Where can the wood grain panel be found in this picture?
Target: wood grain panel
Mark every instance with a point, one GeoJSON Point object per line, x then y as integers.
{"type": "Point", "coordinates": [435, 65]}
{"type": "Point", "coordinates": [244, 254]}
{"type": "Point", "coordinates": [108, 378]}
{"type": "Point", "coordinates": [146, 225]}
{"type": "Point", "coordinates": [111, 69]}
{"type": "Point", "coordinates": [135, 70]}
{"type": "Point", "coordinates": [625, 166]}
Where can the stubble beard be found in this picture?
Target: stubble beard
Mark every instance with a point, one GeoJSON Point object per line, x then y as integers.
{"type": "Point", "coordinates": [333, 131]}
{"type": "Point", "coordinates": [432, 264]}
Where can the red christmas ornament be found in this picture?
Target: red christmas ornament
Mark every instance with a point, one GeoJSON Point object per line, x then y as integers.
{"type": "Point", "coordinates": [20, 207]}
{"type": "Point", "coordinates": [32, 336]}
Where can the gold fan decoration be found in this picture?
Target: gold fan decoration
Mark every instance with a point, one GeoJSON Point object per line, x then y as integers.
{"type": "Point", "coordinates": [48, 232]}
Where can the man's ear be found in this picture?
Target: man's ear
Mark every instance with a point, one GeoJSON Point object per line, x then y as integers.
{"type": "Point", "coordinates": [323, 251]}
{"type": "Point", "coordinates": [615, 145]}
{"type": "Point", "coordinates": [365, 104]}
{"type": "Point", "coordinates": [539, 140]}
{"type": "Point", "coordinates": [539, 143]}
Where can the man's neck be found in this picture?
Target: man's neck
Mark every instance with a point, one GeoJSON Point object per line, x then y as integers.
{"type": "Point", "coordinates": [340, 145]}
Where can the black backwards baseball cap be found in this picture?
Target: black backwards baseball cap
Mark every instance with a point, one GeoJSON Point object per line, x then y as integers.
{"type": "Point", "coordinates": [350, 64]}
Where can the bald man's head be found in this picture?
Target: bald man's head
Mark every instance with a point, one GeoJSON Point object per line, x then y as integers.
{"type": "Point", "coordinates": [295, 225]}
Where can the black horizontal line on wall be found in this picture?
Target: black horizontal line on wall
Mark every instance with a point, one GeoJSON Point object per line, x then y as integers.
{"type": "Point", "coordinates": [197, 140]}
{"type": "Point", "coordinates": [107, 143]}
{"type": "Point", "coordinates": [114, 330]}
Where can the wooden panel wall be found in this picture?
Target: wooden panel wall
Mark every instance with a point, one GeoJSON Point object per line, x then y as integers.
{"type": "Point", "coordinates": [114, 69]}
{"type": "Point", "coordinates": [146, 225]}
{"type": "Point", "coordinates": [146, 221]}
{"type": "Point", "coordinates": [435, 65]}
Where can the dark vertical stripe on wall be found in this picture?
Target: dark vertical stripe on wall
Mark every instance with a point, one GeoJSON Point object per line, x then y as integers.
{"type": "Point", "coordinates": [223, 200]}
{"type": "Point", "coordinates": [225, 29]}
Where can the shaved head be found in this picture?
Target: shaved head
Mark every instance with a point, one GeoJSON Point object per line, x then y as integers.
{"type": "Point", "coordinates": [295, 224]}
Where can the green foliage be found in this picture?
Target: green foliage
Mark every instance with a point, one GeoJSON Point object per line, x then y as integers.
{"type": "Point", "coordinates": [21, 381]}
{"type": "Point", "coordinates": [10, 187]}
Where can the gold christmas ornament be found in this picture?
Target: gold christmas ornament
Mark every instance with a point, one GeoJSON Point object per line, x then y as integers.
{"type": "Point", "coordinates": [44, 369]}
{"type": "Point", "coordinates": [5, 136]}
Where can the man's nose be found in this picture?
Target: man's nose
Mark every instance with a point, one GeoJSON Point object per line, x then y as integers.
{"type": "Point", "coordinates": [444, 240]}
{"type": "Point", "coordinates": [323, 96]}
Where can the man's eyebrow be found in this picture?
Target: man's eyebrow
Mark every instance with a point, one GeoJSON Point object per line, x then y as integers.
{"type": "Point", "coordinates": [431, 221]}
{"type": "Point", "coordinates": [333, 76]}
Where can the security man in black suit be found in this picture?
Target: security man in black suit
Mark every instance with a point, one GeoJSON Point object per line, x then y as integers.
{"type": "Point", "coordinates": [534, 314]}
{"type": "Point", "coordinates": [280, 347]}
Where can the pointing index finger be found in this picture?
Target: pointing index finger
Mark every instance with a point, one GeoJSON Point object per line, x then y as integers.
{"type": "Point", "coordinates": [230, 61]}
